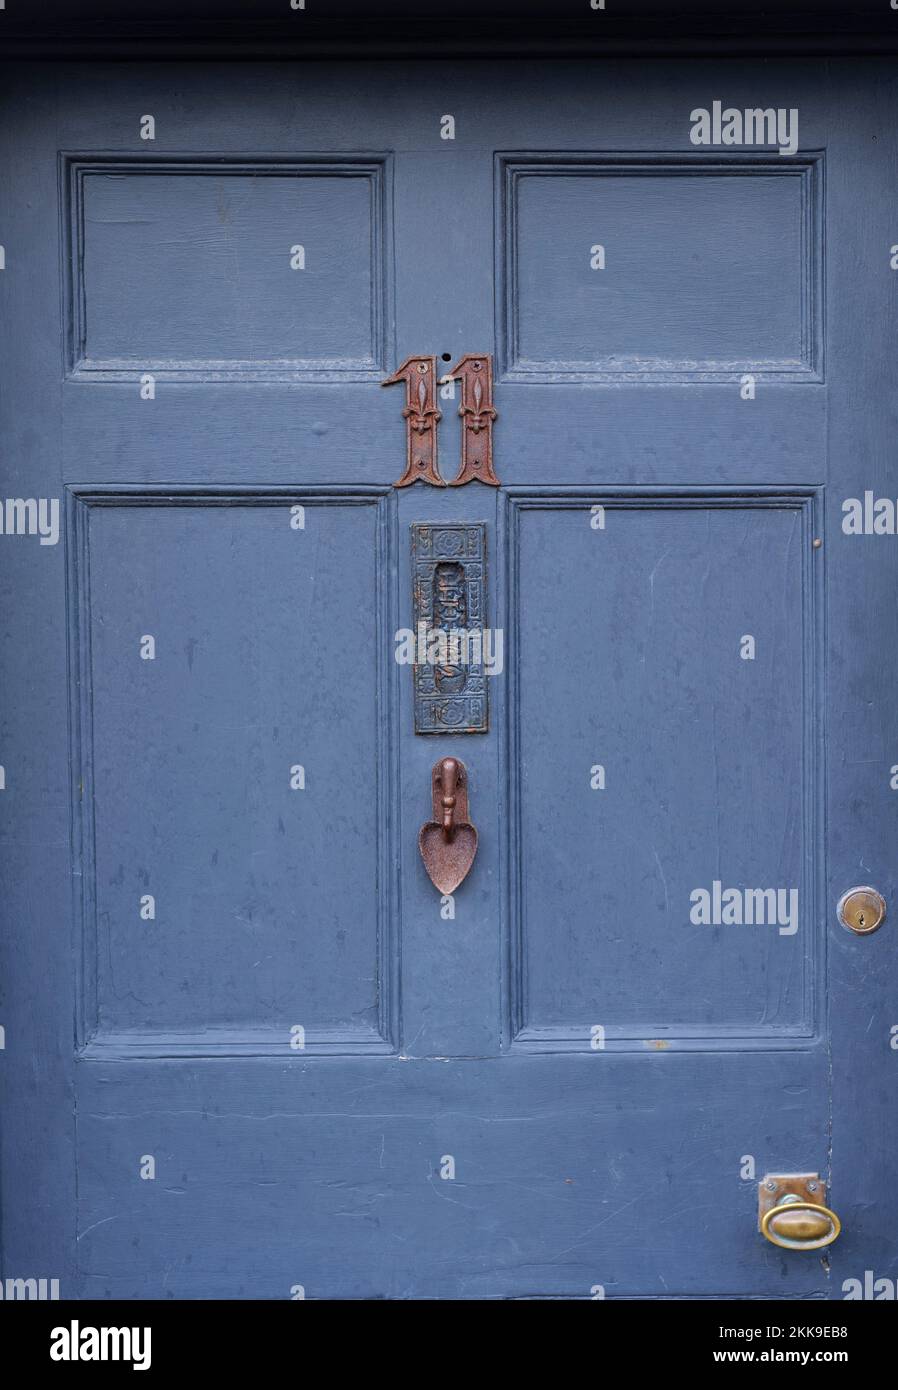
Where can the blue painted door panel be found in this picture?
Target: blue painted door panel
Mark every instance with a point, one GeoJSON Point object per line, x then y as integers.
{"type": "Point", "coordinates": [248, 1054]}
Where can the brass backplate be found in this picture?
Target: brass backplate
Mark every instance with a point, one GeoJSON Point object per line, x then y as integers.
{"type": "Point", "coordinates": [808, 1187]}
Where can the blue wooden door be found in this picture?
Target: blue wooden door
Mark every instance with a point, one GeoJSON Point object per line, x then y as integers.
{"type": "Point", "coordinates": [249, 1051]}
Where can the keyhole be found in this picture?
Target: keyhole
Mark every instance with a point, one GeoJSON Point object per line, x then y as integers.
{"type": "Point", "coordinates": [862, 910]}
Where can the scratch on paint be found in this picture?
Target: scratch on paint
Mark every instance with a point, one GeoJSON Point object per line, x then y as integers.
{"type": "Point", "coordinates": [100, 1223]}
{"type": "Point", "coordinates": [663, 879]}
{"type": "Point", "coordinates": [446, 1198]}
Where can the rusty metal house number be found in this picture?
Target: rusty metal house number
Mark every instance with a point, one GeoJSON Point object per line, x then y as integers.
{"type": "Point", "coordinates": [422, 417]}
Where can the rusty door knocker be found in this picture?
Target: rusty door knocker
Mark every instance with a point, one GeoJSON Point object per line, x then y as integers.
{"type": "Point", "coordinates": [448, 843]}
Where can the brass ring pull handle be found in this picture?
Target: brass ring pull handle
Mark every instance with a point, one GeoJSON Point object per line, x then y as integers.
{"type": "Point", "coordinates": [797, 1225]}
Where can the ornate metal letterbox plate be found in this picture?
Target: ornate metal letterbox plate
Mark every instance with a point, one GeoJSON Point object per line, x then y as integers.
{"type": "Point", "coordinates": [449, 579]}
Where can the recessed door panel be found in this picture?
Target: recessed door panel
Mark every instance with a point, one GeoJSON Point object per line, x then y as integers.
{"type": "Point", "coordinates": [653, 718]}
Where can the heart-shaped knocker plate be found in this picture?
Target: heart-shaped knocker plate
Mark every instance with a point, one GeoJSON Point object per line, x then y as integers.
{"type": "Point", "coordinates": [448, 843]}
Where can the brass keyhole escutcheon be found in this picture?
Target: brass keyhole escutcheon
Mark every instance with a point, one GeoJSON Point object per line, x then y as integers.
{"type": "Point", "coordinates": [861, 910]}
